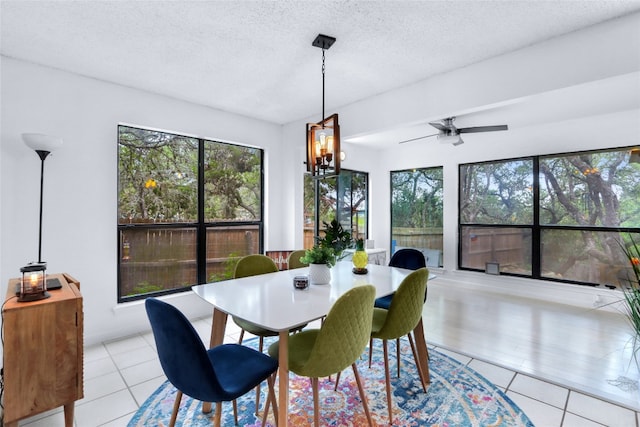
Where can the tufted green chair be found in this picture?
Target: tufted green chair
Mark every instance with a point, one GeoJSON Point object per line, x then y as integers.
{"type": "Point", "coordinates": [400, 319]}
{"type": "Point", "coordinates": [316, 353]}
{"type": "Point", "coordinates": [252, 265]}
{"type": "Point", "coordinates": [294, 260]}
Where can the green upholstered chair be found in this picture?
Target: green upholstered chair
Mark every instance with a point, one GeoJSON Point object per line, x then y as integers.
{"type": "Point", "coordinates": [316, 353]}
{"type": "Point", "coordinates": [294, 259]}
{"type": "Point", "coordinates": [400, 319]}
{"type": "Point", "coordinates": [253, 265]}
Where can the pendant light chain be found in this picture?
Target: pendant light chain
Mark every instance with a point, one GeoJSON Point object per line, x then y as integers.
{"type": "Point", "coordinates": [323, 68]}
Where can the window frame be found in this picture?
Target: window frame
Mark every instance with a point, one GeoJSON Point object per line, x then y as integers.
{"type": "Point", "coordinates": [201, 226]}
{"type": "Point", "coordinates": [537, 229]}
{"type": "Point", "coordinates": [392, 246]}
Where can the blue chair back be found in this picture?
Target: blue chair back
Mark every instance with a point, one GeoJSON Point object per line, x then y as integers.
{"type": "Point", "coordinates": [182, 354]}
{"type": "Point", "coordinates": [409, 258]}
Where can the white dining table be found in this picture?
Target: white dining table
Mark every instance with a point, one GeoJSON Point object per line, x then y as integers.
{"type": "Point", "coordinates": [271, 301]}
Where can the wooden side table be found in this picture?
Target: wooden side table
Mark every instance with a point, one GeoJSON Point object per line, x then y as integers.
{"type": "Point", "coordinates": [43, 352]}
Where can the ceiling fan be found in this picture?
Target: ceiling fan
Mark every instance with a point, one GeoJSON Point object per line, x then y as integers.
{"type": "Point", "coordinates": [450, 134]}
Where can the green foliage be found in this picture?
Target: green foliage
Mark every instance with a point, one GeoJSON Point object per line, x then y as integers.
{"type": "Point", "coordinates": [229, 268]}
{"type": "Point", "coordinates": [319, 255]}
{"type": "Point", "coordinates": [335, 237]}
{"type": "Point", "coordinates": [632, 292]}
{"type": "Point", "coordinates": [158, 178]}
{"type": "Point", "coordinates": [416, 198]}
{"type": "Point", "coordinates": [145, 288]}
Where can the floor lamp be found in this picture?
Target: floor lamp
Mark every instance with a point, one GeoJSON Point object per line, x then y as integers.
{"type": "Point", "coordinates": [33, 286]}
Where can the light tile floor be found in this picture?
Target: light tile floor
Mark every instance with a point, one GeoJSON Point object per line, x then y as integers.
{"type": "Point", "coordinates": [551, 359]}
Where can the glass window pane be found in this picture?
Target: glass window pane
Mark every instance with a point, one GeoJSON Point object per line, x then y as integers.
{"type": "Point", "coordinates": [590, 189]}
{"type": "Point", "coordinates": [508, 246]}
{"type": "Point", "coordinates": [497, 193]}
{"type": "Point", "coordinates": [226, 245]}
{"type": "Point", "coordinates": [594, 257]}
{"type": "Point", "coordinates": [157, 177]}
{"type": "Point", "coordinates": [416, 212]}
{"type": "Point", "coordinates": [156, 260]}
{"type": "Point", "coordinates": [344, 198]}
{"type": "Point", "coordinates": [233, 182]}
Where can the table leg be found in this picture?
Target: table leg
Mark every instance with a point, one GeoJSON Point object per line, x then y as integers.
{"type": "Point", "coordinates": [68, 414]}
{"type": "Point", "coordinates": [423, 355]}
{"type": "Point", "coordinates": [283, 375]}
{"type": "Point", "coordinates": [218, 326]}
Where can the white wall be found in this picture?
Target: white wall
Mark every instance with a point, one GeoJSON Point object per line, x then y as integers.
{"type": "Point", "coordinates": [80, 180]}
{"type": "Point", "coordinates": [576, 92]}
{"type": "Point", "coordinates": [80, 190]}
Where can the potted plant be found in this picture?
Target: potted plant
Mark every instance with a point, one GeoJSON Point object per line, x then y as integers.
{"type": "Point", "coordinates": [632, 292]}
{"type": "Point", "coordinates": [320, 260]}
{"type": "Point", "coordinates": [335, 237]}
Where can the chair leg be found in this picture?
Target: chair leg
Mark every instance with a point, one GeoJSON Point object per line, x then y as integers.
{"type": "Point", "coordinates": [235, 411]}
{"type": "Point", "coordinates": [370, 351]}
{"type": "Point", "coordinates": [218, 414]}
{"type": "Point", "coordinates": [260, 348]}
{"type": "Point", "coordinates": [337, 381]}
{"type": "Point", "coordinates": [365, 405]}
{"type": "Point", "coordinates": [176, 406]}
{"type": "Point", "coordinates": [271, 397]}
{"type": "Point", "coordinates": [388, 378]}
{"type": "Point", "coordinates": [316, 409]}
{"type": "Point", "coordinates": [241, 336]}
{"type": "Point", "coordinates": [398, 355]}
{"type": "Point", "coordinates": [418, 366]}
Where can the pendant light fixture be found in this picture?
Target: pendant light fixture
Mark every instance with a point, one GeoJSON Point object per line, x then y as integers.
{"type": "Point", "coordinates": [323, 138]}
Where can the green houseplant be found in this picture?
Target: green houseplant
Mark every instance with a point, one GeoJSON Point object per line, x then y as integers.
{"type": "Point", "coordinates": [632, 292]}
{"type": "Point", "coordinates": [320, 260]}
{"type": "Point", "coordinates": [335, 237]}
{"type": "Point", "coordinates": [319, 255]}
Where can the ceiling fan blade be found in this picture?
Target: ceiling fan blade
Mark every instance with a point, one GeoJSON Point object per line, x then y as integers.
{"type": "Point", "coordinates": [416, 139]}
{"type": "Point", "coordinates": [483, 129]}
{"type": "Point", "coordinates": [441, 126]}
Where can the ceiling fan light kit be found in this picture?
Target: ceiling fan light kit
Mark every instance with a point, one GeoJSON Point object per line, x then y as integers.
{"type": "Point", "coordinates": [450, 139]}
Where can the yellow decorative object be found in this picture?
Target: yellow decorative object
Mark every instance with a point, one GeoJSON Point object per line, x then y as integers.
{"type": "Point", "coordinates": [360, 258]}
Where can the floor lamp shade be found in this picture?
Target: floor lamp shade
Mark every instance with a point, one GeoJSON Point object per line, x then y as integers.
{"type": "Point", "coordinates": [41, 142]}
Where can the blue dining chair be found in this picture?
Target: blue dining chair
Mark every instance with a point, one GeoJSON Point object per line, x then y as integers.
{"type": "Point", "coordinates": [220, 374]}
{"type": "Point", "coordinates": [409, 258]}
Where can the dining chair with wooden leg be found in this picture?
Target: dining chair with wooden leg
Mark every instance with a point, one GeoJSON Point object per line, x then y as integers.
{"type": "Point", "coordinates": [220, 374]}
{"type": "Point", "coordinates": [411, 259]}
{"type": "Point", "coordinates": [317, 353]}
{"type": "Point", "coordinates": [400, 319]}
{"type": "Point", "coordinates": [294, 259]}
{"type": "Point", "coordinates": [253, 265]}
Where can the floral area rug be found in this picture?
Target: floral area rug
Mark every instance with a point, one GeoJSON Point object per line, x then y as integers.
{"type": "Point", "coordinates": [457, 396]}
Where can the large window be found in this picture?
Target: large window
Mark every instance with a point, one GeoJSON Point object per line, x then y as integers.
{"type": "Point", "coordinates": [416, 212]}
{"type": "Point", "coordinates": [187, 209]}
{"type": "Point", "coordinates": [560, 217]}
{"type": "Point", "coordinates": [344, 198]}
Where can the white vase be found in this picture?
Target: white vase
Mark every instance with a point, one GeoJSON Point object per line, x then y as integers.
{"type": "Point", "coordinates": [319, 274]}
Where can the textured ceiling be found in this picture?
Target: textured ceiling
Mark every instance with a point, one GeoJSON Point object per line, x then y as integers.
{"type": "Point", "coordinates": [255, 57]}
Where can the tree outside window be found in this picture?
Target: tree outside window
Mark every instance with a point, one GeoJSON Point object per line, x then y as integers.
{"type": "Point", "coordinates": [180, 224]}
{"type": "Point", "coordinates": [344, 198]}
{"type": "Point", "coordinates": [416, 212]}
{"type": "Point", "coordinates": [559, 217]}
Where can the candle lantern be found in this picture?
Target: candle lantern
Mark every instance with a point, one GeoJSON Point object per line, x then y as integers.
{"type": "Point", "coordinates": [33, 285]}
